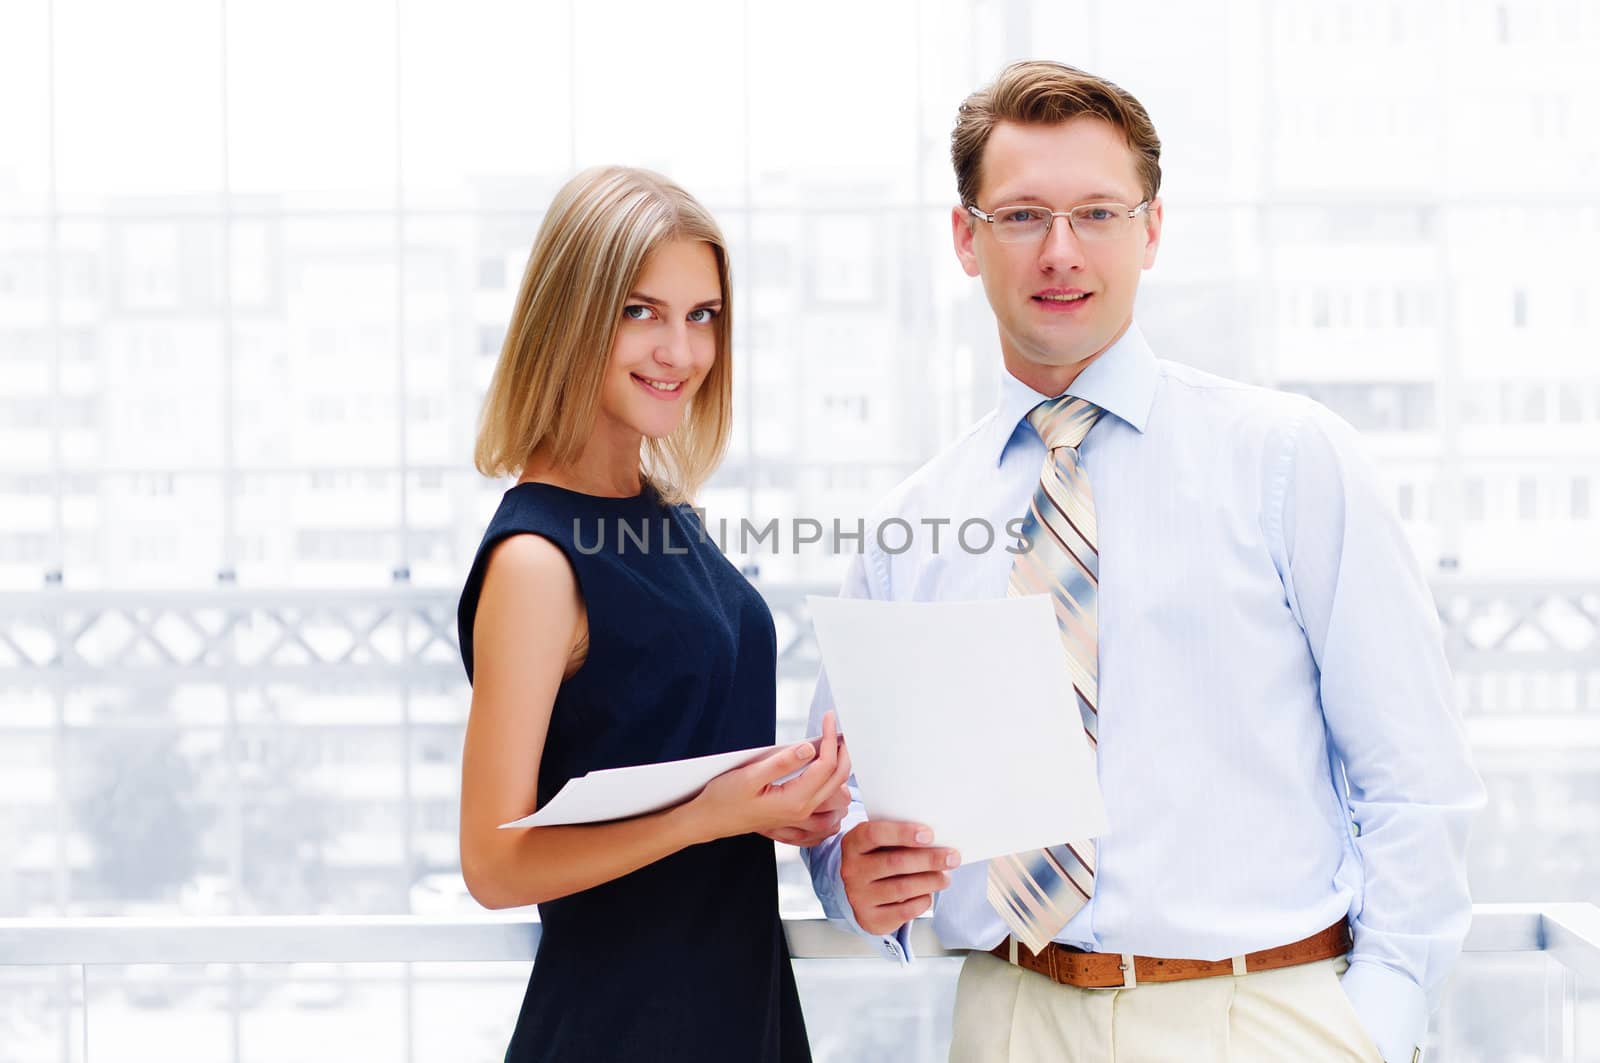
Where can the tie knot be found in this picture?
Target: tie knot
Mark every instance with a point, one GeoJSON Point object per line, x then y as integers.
{"type": "Point", "coordinates": [1065, 421]}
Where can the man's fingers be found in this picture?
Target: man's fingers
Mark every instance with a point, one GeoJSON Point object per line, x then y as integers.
{"type": "Point", "coordinates": [903, 888]}
{"type": "Point", "coordinates": [888, 863]}
{"type": "Point", "coordinates": [886, 833]}
{"type": "Point", "coordinates": [891, 917]}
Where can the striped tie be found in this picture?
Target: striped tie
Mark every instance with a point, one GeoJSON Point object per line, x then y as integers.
{"type": "Point", "coordinates": [1036, 893]}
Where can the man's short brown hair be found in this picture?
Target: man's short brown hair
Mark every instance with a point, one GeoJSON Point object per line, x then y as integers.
{"type": "Point", "coordinates": [1037, 92]}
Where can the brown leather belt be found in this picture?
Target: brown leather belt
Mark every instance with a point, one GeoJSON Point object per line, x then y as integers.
{"type": "Point", "coordinates": [1107, 970]}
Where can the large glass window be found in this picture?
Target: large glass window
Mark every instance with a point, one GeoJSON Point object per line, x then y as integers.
{"type": "Point", "coordinates": [257, 260]}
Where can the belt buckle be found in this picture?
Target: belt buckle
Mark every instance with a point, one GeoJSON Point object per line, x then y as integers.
{"type": "Point", "coordinates": [1130, 976]}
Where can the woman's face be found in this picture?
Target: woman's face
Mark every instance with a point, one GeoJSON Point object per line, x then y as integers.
{"type": "Point", "coordinates": [666, 341]}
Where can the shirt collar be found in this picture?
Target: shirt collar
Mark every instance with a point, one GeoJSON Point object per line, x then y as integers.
{"type": "Point", "coordinates": [1122, 382]}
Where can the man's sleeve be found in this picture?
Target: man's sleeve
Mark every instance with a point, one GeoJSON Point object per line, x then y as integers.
{"type": "Point", "coordinates": [1387, 700]}
{"type": "Point", "coordinates": [822, 860]}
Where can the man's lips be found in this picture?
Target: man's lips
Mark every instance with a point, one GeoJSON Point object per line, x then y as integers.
{"type": "Point", "coordinates": [1062, 300]}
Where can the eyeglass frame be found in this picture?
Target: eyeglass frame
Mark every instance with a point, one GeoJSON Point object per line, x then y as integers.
{"type": "Point", "coordinates": [975, 211]}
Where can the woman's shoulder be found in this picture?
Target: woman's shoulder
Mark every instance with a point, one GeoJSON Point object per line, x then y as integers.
{"type": "Point", "coordinates": [529, 559]}
{"type": "Point", "coordinates": [543, 509]}
{"type": "Point", "coordinates": [523, 563]}
{"type": "Point", "coordinates": [537, 500]}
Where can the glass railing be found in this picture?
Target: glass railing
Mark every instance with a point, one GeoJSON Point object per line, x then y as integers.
{"type": "Point", "coordinates": [423, 990]}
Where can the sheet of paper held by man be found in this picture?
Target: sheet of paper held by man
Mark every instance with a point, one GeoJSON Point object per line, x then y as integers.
{"type": "Point", "coordinates": [961, 715]}
{"type": "Point", "coordinates": [618, 793]}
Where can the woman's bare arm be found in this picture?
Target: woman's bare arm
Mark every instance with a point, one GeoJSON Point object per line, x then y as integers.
{"type": "Point", "coordinates": [530, 620]}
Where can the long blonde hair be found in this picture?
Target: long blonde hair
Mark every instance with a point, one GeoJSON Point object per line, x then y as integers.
{"type": "Point", "coordinates": [591, 248]}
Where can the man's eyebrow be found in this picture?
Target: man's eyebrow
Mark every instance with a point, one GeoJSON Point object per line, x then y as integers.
{"type": "Point", "coordinates": [1028, 199]}
{"type": "Point", "coordinates": [641, 297]}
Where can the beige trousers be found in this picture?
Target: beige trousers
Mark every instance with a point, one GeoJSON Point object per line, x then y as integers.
{"type": "Point", "coordinates": [1004, 1014]}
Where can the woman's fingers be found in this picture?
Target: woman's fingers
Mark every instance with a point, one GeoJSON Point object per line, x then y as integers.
{"type": "Point", "coordinates": [791, 836]}
{"type": "Point", "coordinates": [769, 769]}
{"type": "Point", "coordinates": [836, 802]}
{"type": "Point", "coordinates": [828, 754]}
{"type": "Point", "coordinates": [809, 806]}
{"type": "Point", "coordinates": [841, 770]}
{"type": "Point", "coordinates": [821, 777]}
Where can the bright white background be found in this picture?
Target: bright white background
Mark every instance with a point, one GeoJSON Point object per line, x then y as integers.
{"type": "Point", "coordinates": [256, 260]}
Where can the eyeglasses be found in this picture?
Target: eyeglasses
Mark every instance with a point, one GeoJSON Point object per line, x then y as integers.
{"type": "Point", "coordinates": [1091, 222]}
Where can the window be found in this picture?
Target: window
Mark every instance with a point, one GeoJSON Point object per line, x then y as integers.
{"type": "Point", "coordinates": [1475, 503]}
{"type": "Point", "coordinates": [1535, 403]}
{"type": "Point", "coordinates": [491, 273]}
{"type": "Point", "coordinates": [1569, 402]}
{"type": "Point", "coordinates": [1527, 497]}
{"type": "Point", "coordinates": [370, 238]}
{"type": "Point", "coordinates": [151, 485]}
{"type": "Point", "coordinates": [490, 337]}
{"type": "Point", "coordinates": [25, 548]}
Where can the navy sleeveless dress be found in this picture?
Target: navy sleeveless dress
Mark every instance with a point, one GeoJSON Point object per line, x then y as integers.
{"type": "Point", "coordinates": [684, 959]}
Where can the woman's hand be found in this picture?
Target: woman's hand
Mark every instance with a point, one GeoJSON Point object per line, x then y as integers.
{"type": "Point", "coordinates": [821, 825]}
{"type": "Point", "coordinates": [750, 800]}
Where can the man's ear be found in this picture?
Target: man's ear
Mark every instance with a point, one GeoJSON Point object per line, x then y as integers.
{"type": "Point", "coordinates": [961, 224]}
{"type": "Point", "coordinates": [1152, 236]}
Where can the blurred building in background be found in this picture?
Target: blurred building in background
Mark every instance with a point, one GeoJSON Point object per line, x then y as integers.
{"type": "Point", "coordinates": [246, 321]}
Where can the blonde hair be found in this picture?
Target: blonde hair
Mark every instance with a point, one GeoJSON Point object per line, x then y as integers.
{"type": "Point", "coordinates": [591, 248]}
{"type": "Point", "coordinates": [1038, 92]}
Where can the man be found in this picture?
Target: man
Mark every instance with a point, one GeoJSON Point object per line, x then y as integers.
{"type": "Point", "coordinates": [1255, 659]}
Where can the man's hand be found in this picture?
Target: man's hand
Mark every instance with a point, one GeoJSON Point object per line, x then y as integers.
{"type": "Point", "coordinates": [891, 872]}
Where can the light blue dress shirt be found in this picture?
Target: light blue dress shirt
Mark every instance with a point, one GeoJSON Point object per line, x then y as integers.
{"type": "Point", "coordinates": [1278, 746]}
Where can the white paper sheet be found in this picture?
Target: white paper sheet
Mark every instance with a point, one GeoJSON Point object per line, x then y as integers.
{"type": "Point", "coordinates": [961, 715]}
{"type": "Point", "coordinates": [618, 793]}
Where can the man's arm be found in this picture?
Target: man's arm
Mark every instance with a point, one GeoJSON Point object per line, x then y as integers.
{"type": "Point", "coordinates": [1386, 694]}
{"type": "Point", "coordinates": [878, 868]}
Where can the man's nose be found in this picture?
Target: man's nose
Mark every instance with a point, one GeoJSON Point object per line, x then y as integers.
{"type": "Point", "coordinates": [1061, 249]}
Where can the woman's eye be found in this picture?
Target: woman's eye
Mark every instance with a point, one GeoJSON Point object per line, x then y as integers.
{"type": "Point", "coordinates": [703, 315]}
{"type": "Point", "coordinates": [638, 312]}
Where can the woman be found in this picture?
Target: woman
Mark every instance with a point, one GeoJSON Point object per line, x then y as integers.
{"type": "Point", "coordinates": [601, 628]}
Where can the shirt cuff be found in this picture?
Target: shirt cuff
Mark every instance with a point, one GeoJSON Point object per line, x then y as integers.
{"type": "Point", "coordinates": [895, 946]}
{"type": "Point", "coordinates": [829, 888]}
{"type": "Point", "coordinates": [1392, 1009]}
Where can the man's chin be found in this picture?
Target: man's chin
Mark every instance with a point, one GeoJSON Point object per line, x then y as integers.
{"type": "Point", "coordinates": [1075, 358]}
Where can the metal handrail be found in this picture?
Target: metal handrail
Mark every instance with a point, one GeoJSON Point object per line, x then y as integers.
{"type": "Point", "coordinates": [1567, 932]}
{"type": "Point", "coordinates": [1531, 632]}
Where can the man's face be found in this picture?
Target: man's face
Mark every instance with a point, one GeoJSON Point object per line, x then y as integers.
{"type": "Point", "coordinates": [1047, 334]}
